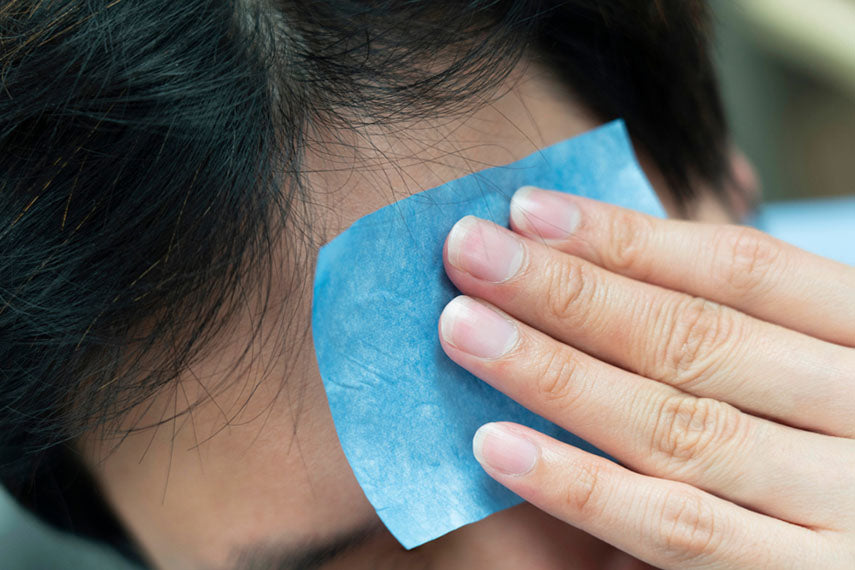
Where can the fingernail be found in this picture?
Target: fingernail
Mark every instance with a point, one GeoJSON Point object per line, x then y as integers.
{"type": "Point", "coordinates": [484, 250]}
{"type": "Point", "coordinates": [543, 213]}
{"type": "Point", "coordinates": [476, 329]}
{"type": "Point", "coordinates": [503, 450]}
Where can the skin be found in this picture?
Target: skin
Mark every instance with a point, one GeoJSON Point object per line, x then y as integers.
{"type": "Point", "coordinates": [713, 361]}
{"type": "Point", "coordinates": [258, 460]}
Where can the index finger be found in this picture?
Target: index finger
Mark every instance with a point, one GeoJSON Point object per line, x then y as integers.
{"type": "Point", "coordinates": [733, 265]}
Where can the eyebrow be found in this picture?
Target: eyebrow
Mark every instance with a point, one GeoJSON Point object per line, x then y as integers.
{"type": "Point", "coordinates": [307, 556]}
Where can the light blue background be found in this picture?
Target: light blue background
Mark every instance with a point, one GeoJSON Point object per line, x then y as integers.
{"type": "Point", "coordinates": [26, 544]}
{"type": "Point", "coordinates": [825, 227]}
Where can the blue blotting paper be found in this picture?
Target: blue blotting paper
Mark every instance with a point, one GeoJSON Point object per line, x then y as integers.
{"type": "Point", "coordinates": [404, 412]}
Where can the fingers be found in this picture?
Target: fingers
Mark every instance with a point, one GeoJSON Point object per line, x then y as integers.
{"type": "Point", "coordinates": [650, 426]}
{"type": "Point", "coordinates": [736, 266]}
{"type": "Point", "coordinates": [698, 346]}
{"type": "Point", "coordinates": [668, 524]}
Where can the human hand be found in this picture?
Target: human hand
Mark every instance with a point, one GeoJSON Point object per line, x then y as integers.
{"type": "Point", "coordinates": [714, 362]}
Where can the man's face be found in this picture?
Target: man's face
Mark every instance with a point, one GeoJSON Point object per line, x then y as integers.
{"type": "Point", "coordinates": [255, 466]}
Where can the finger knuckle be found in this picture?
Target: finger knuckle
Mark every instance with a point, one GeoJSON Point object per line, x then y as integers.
{"type": "Point", "coordinates": [697, 340]}
{"type": "Point", "coordinates": [748, 259]}
{"type": "Point", "coordinates": [568, 288]}
{"type": "Point", "coordinates": [688, 430]}
{"type": "Point", "coordinates": [688, 527]}
{"type": "Point", "coordinates": [583, 495]}
{"type": "Point", "coordinates": [559, 380]}
{"type": "Point", "coordinates": [628, 235]}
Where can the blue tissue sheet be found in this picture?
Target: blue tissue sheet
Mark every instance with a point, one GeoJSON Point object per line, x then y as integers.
{"type": "Point", "coordinates": [404, 412]}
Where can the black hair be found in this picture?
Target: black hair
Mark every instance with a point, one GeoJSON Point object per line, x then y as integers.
{"type": "Point", "coordinates": [150, 155]}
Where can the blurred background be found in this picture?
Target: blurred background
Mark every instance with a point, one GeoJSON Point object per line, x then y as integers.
{"type": "Point", "coordinates": [788, 77]}
{"type": "Point", "coordinates": [787, 70]}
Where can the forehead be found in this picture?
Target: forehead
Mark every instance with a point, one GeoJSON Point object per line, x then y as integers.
{"type": "Point", "coordinates": [353, 173]}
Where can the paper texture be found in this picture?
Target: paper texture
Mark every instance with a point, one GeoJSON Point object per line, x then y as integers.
{"type": "Point", "coordinates": [404, 412]}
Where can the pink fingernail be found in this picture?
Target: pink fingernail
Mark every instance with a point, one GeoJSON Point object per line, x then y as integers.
{"type": "Point", "coordinates": [544, 214]}
{"type": "Point", "coordinates": [476, 329]}
{"type": "Point", "coordinates": [497, 447]}
{"type": "Point", "coordinates": [484, 250]}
